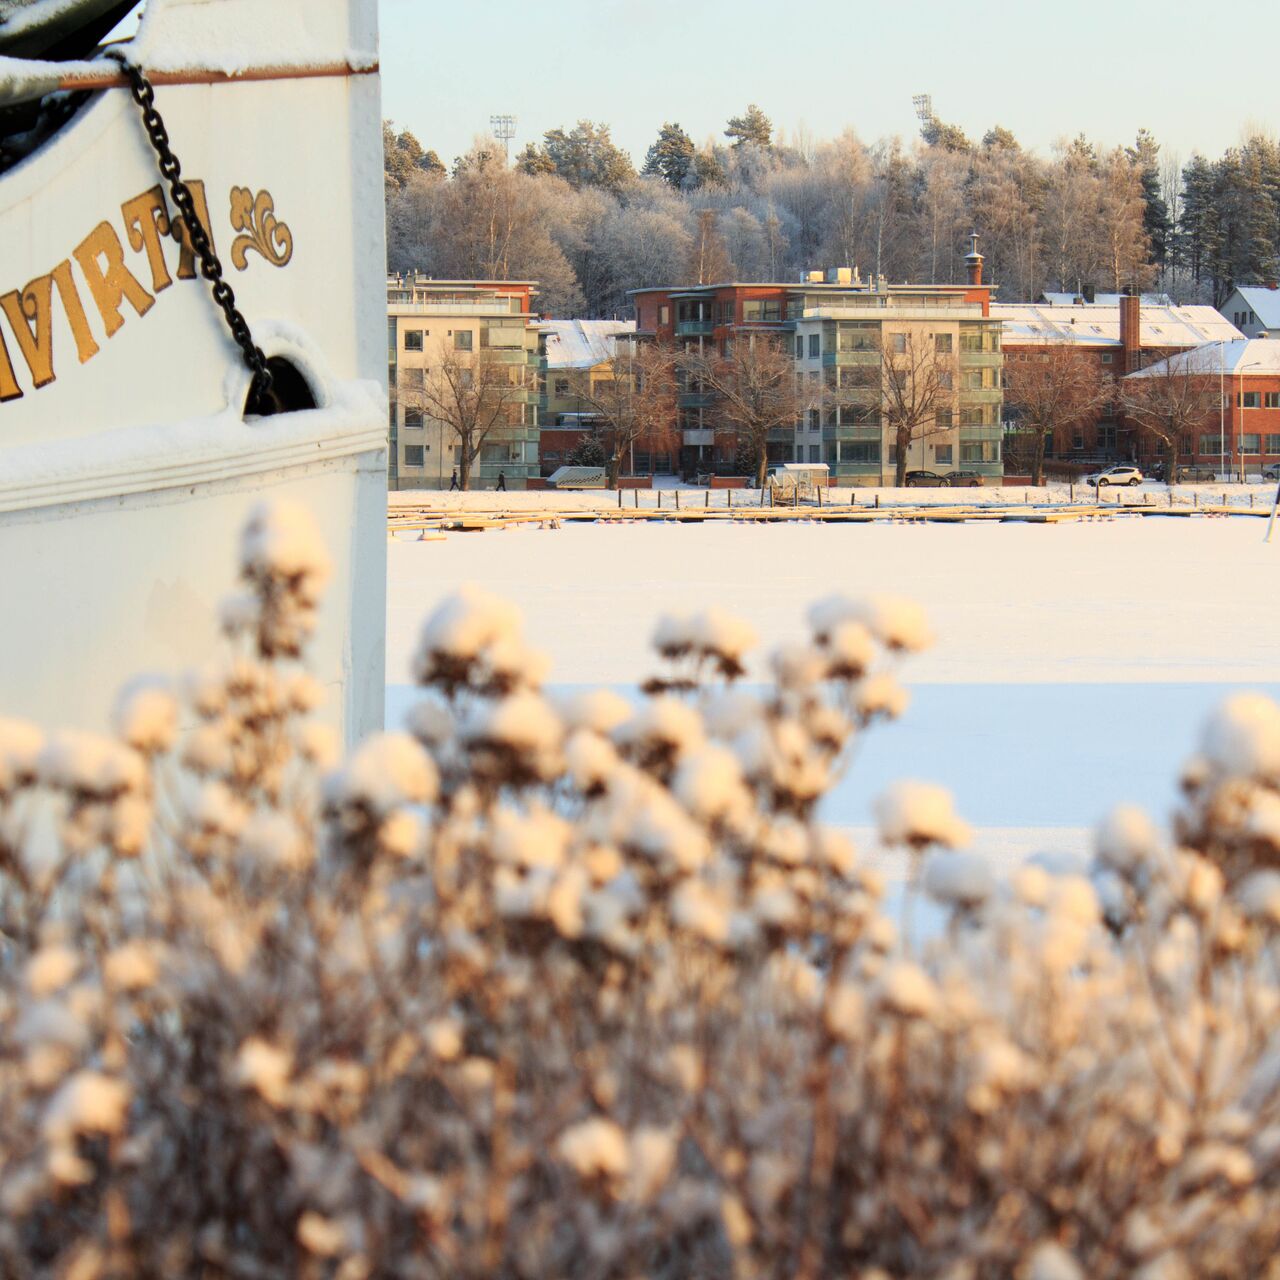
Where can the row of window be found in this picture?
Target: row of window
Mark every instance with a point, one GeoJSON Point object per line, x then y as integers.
{"type": "Point", "coordinates": [1242, 318]}
{"type": "Point", "coordinates": [1246, 442]}
{"type": "Point", "coordinates": [1258, 399]}
{"type": "Point", "coordinates": [463, 339]}
{"type": "Point", "coordinates": [865, 451]}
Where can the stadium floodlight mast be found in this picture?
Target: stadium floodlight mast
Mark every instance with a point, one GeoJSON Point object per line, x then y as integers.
{"type": "Point", "coordinates": [504, 129]}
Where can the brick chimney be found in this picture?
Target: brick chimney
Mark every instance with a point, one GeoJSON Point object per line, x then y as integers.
{"type": "Point", "coordinates": [1130, 331]}
{"type": "Point", "coordinates": [974, 260]}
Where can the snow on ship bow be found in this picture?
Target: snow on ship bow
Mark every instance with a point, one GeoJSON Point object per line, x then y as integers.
{"type": "Point", "coordinates": [134, 438]}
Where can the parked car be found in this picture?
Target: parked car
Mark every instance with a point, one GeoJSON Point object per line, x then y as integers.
{"type": "Point", "coordinates": [964, 479]}
{"type": "Point", "coordinates": [926, 480]}
{"type": "Point", "coordinates": [1271, 471]}
{"type": "Point", "coordinates": [1115, 475]}
{"type": "Point", "coordinates": [1197, 475]}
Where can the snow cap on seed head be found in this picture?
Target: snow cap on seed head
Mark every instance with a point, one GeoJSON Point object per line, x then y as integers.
{"type": "Point", "coordinates": [918, 814]}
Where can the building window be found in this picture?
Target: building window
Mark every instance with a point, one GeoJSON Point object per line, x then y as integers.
{"type": "Point", "coordinates": [1272, 400]}
{"type": "Point", "coordinates": [762, 311]}
{"type": "Point", "coordinates": [799, 346]}
{"type": "Point", "coordinates": [1273, 444]}
{"type": "Point", "coordinates": [562, 388]}
{"type": "Point", "coordinates": [979, 450]}
{"type": "Point", "coordinates": [1249, 443]}
{"type": "Point", "coordinates": [942, 455]}
{"type": "Point", "coordinates": [462, 340]}
{"type": "Point", "coordinates": [413, 339]}
{"type": "Point", "coordinates": [1107, 357]}
{"type": "Point", "coordinates": [413, 455]}
{"type": "Point", "coordinates": [861, 450]}
{"type": "Point", "coordinates": [814, 422]}
{"type": "Point", "coordinates": [724, 312]}
{"type": "Point", "coordinates": [664, 315]}
{"type": "Point", "coordinates": [815, 345]}
{"type": "Point", "coordinates": [1106, 434]}
{"type": "Point", "coordinates": [413, 417]}
{"type": "Point", "coordinates": [859, 335]}
{"type": "Point", "coordinates": [898, 342]}
{"type": "Point", "coordinates": [977, 415]}
{"type": "Point", "coordinates": [942, 419]}
{"type": "Point", "coordinates": [1211, 444]}
{"type": "Point", "coordinates": [1249, 399]}
{"type": "Point", "coordinates": [944, 379]}
{"type": "Point", "coordinates": [942, 343]}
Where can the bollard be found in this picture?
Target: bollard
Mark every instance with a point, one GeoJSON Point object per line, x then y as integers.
{"type": "Point", "coordinates": [636, 498]}
{"type": "Point", "coordinates": [1195, 498]}
{"type": "Point", "coordinates": [795, 497]}
{"type": "Point", "coordinates": [659, 499]}
{"type": "Point", "coordinates": [729, 495]}
{"type": "Point", "coordinates": [1071, 487]}
{"type": "Point", "coordinates": [877, 502]}
{"type": "Point", "coordinates": [677, 499]}
{"type": "Point", "coordinates": [706, 500]}
{"type": "Point", "coordinates": [619, 498]}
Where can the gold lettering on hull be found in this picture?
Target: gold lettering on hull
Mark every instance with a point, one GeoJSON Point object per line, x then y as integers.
{"type": "Point", "coordinates": [101, 258]}
{"type": "Point", "coordinates": [31, 319]}
{"type": "Point", "coordinates": [186, 251]}
{"type": "Point", "coordinates": [146, 219]}
{"type": "Point", "coordinates": [110, 281]}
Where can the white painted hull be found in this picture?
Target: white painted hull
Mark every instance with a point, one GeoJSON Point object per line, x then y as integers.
{"type": "Point", "coordinates": [126, 470]}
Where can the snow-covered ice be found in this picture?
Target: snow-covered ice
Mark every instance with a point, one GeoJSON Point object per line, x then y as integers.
{"type": "Point", "coordinates": [1073, 666]}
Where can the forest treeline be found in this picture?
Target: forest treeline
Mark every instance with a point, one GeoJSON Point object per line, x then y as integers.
{"type": "Point", "coordinates": [574, 212]}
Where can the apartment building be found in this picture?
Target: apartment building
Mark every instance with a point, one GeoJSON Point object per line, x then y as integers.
{"type": "Point", "coordinates": [1254, 309]}
{"type": "Point", "coordinates": [839, 330]}
{"type": "Point", "coordinates": [477, 328]}
{"type": "Point", "coordinates": [1121, 337]}
{"type": "Point", "coordinates": [572, 350]}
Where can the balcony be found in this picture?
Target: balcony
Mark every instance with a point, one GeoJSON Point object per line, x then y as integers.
{"type": "Point", "coordinates": [694, 328]}
{"type": "Point", "coordinates": [494, 307]}
{"type": "Point", "coordinates": [861, 358]}
{"type": "Point", "coordinates": [981, 395]}
{"type": "Point", "coordinates": [981, 359]}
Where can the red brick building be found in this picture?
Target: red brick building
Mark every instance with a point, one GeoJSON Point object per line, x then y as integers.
{"type": "Point", "coordinates": [1123, 338]}
{"type": "Point", "coordinates": [1240, 434]}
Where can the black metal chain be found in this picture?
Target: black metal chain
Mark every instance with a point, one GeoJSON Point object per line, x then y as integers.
{"type": "Point", "coordinates": [144, 94]}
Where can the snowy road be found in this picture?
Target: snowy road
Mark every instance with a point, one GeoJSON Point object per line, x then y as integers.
{"type": "Point", "coordinates": [1073, 667]}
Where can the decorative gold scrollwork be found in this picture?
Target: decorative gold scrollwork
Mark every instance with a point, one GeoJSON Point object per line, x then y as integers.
{"type": "Point", "coordinates": [255, 215]}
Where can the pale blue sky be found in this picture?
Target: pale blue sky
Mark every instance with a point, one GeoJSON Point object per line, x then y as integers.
{"type": "Point", "coordinates": [1193, 73]}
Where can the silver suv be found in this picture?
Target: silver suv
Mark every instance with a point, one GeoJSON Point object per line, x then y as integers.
{"type": "Point", "coordinates": [1115, 475]}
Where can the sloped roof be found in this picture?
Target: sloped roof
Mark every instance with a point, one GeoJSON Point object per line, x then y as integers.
{"type": "Point", "coordinates": [1098, 326]}
{"type": "Point", "coordinates": [1263, 302]}
{"type": "Point", "coordinates": [1246, 357]}
{"type": "Point", "coordinates": [1103, 299]}
{"type": "Point", "coordinates": [580, 344]}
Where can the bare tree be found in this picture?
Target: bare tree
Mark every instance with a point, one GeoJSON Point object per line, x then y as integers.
{"type": "Point", "coordinates": [754, 391]}
{"type": "Point", "coordinates": [471, 394]}
{"type": "Point", "coordinates": [1052, 387]}
{"type": "Point", "coordinates": [633, 397]}
{"type": "Point", "coordinates": [1170, 400]}
{"type": "Point", "coordinates": [915, 383]}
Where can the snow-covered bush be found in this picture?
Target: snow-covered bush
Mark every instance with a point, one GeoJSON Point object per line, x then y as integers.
{"type": "Point", "coordinates": [576, 987]}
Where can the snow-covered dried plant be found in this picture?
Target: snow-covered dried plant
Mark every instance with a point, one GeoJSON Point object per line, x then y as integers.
{"type": "Point", "coordinates": [581, 987]}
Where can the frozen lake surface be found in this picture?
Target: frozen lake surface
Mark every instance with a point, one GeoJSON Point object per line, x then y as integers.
{"type": "Point", "coordinates": [1073, 666]}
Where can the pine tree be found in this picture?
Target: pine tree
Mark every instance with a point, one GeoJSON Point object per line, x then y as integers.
{"type": "Point", "coordinates": [1145, 154]}
{"type": "Point", "coordinates": [998, 138]}
{"type": "Point", "coordinates": [1198, 226]}
{"type": "Point", "coordinates": [671, 157]}
{"type": "Point", "coordinates": [753, 127]}
{"type": "Point", "coordinates": [707, 170]}
{"type": "Point", "coordinates": [584, 156]}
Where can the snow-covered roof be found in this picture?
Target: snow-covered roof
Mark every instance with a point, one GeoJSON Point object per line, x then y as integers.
{"type": "Point", "coordinates": [1246, 358]}
{"type": "Point", "coordinates": [580, 344]}
{"type": "Point", "coordinates": [1103, 299]}
{"type": "Point", "coordinates": [1026, 323]}
{"type": "Point", "coordinates": [1263, 302]}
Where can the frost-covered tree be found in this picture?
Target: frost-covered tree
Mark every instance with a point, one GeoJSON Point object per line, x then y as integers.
{"type": "Point", "coordinates": [584, 156]}
{"type": "Point", "coordinates": [1051, 388]}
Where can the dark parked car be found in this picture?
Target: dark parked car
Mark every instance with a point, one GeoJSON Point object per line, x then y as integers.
{"type": "Point", "coordinates": [1196, 475]}
{"type": "Point", "coordinates": [964, 479]}
{"type": "Point", "coordinates": [926, 480]}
